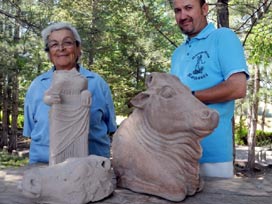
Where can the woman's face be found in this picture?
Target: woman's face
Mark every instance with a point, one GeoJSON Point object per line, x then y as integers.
{"type": "Point", "coordinates": [63, 51]}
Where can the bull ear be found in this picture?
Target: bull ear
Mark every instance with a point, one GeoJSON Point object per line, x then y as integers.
{"type": "Point", "coordinates": [140, 100]}
{"type": "Point", "coordinates": [148, 80]}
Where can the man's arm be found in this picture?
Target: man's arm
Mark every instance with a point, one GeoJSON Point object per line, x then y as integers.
{"type": "Point", "coordinates": [233, 88]}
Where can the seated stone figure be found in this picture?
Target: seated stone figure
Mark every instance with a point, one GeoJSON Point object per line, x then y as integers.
{"type": "Point", "coordinates": [74, 181]}
{"type": "Point", "coordinates": [156, 149]}
{"type": "Point", "coordinates": [69, 115]}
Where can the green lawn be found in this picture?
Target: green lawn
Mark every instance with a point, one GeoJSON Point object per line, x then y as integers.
{"type": "Point", "coordinates": [7, 160]}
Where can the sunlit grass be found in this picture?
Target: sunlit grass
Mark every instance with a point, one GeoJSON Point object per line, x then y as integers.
{"type": "Point", "coordinates": [8, 160]}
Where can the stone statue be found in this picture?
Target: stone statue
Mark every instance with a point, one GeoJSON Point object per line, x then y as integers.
{"type": "Point", "coordinates": [74, 181]}
{"type": "Point", "coordinates": [69, 115]}
{"type": "Point", "coordinates": [156, 149]}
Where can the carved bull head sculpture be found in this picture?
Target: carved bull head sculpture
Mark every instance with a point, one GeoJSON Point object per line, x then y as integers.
{"type": "Point", "coordinates": [156, 149]}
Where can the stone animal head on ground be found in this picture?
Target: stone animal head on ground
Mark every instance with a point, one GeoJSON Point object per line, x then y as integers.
{"type": "Point", "coordinates": [76, 180]}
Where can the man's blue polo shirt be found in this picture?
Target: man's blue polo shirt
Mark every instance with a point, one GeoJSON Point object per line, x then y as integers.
{"type": "Point", "coordinates": [36, 123]}
{"type": "Point", "coordinates": [203, 62]}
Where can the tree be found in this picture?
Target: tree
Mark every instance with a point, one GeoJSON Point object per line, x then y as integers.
{"type": "Point", "coordinates": [253, 118]}
{"type": "Point", "coordinates": [122, 40]}
{"type": "Point", "coordinates": [222, 13]}
{"type": "Point", "coordinates": [11, 65]}
{"type": "Point", "coordinates": [260, 46]}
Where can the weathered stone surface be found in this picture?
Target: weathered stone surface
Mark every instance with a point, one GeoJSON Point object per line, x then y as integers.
{"type": "Point", "coordinates": [156, 149]}
{"type": "Point", "coordinates": [74, 181]}
{"type": "Point", "coordinates": [69, 115]}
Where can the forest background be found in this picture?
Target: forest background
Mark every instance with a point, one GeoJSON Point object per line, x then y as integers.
{"type": "Point", "coordinates": [124, 41]}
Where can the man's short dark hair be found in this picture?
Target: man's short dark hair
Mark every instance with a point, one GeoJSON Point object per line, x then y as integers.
{"type": "Point", "coordinates": [202, 2]}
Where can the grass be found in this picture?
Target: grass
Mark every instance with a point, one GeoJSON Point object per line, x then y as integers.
{"type": "Point", "coordinates": [8, 160]}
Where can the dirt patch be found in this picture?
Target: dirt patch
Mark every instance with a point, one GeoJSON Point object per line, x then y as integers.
{"type": "Point", "coordinates": [23, 143]}
{"type": "Point", "coordinates": [259, 171]}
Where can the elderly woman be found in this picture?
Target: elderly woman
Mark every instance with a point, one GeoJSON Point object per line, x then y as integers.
{"type": "Point", "coordinates": [63, 45]}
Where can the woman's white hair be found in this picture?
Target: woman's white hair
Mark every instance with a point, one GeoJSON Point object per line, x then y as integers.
{"type": "Point", "coordinates": [59, 26]}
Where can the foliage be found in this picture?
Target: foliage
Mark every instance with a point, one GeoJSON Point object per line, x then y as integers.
{"type": "Point", "coordinates": [7, 160]}
{"type": "Point", "coordinates": [263, 138]}
{"type": "Point", "coordinates": [122, 40]}
{"type": "Point", "coordinates": [241, 132]}
{"type": "Point", "coordinates": [260, 42]}
{"type": "Point", "coordinates": [20, 121]}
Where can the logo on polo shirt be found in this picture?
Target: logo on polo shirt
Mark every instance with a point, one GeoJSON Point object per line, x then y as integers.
{"type": "Point", "coordinates": [198, 72]}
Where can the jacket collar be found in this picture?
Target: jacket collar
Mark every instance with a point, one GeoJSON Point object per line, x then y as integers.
{"type": "Point", "coordinates": [204, 33]}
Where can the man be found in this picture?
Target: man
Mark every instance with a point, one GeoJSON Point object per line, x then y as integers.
{"type": "Point", "coordinates": [212, 63]}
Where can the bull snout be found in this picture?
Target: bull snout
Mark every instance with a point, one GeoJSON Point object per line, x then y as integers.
{"type": "Point", "coordinates": [106, 164]}
{"type": "Point", "coordinates": [209, 114]}
{"type": "Point", "coordinates": [31, 184]}
{"type": "Point", "coordinates": [206, 121]}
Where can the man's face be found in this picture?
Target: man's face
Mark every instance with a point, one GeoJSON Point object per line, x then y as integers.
{"type": "Point", "coordinates": [190, 16]}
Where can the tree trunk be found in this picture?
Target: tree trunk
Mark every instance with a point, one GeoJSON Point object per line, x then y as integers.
{"type": "Point", "coordinates": [94, 32]}
{"type": "Point", "coordinates": [14, 97]}
{"type": "Point", "coordinates": [233, 140]}
{"type": "Point", "coordinates": [264, 112]}
{"type": "Point", "coordinates": [1, 103]}
{"type": "Point", "coordinates": [222, 13]}
{"type": "Point", "coordinates": [253, 113]}
{"type": "Point", "coordinates": [9, 113]}
{"type": "Point", "coordinates": [14, 113]}
{"type": "Point", "coordinates": [5, 118]}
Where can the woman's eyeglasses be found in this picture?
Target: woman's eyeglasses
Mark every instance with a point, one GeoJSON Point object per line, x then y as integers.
{"type": "Point", "coordinates": [54, 45]}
